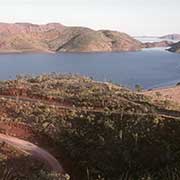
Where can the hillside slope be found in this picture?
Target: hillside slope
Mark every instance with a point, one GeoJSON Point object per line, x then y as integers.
{"type": "Point", "coordinates": [54, 37]}
{"type": "Point", "coordinates": [103, 131]}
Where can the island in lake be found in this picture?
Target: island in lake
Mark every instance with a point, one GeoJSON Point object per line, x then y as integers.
{"type": "Point", "coordinates": [175, 48]}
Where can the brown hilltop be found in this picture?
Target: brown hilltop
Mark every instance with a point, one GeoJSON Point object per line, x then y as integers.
{"type": "Point", "coordinates": [54, 37]}
{"type": "Point", "coordinates": [24, 37]}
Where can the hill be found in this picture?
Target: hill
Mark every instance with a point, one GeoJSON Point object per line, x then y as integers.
{"type": "Point", "coordinates": [157, 44]}
{"type": "Point", "coordinates": [54, 37]}
{"type": "Point", "coordinates": [95, 130]}
{"type": "Point", "coordinates": [175, 37]}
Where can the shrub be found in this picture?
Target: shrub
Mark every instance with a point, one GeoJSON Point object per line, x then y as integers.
{"type": "Point", "coordinates": [111, 147]}
{"type": "Point", "coordinates": [138, 88]}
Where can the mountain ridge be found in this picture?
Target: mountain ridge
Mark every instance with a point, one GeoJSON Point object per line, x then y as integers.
{"type": "Point", "coordinates": [55, 37]}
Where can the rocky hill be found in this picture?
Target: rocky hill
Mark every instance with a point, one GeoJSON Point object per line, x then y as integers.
{"type": "Point", "coordinates": [54, 37]}
{"type": "Point", "coordinates": [157, 44]}
{"type": "Point", "coordinates": [175, 48]}
{"type": "Point", "coordinates": [175, 37]}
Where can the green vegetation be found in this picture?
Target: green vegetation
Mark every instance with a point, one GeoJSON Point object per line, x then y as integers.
{"type": "Point", "coordinates": [138, 88]}
{"type": "Point", "coordinates": [104, 131]}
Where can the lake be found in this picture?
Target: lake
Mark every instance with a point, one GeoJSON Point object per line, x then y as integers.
{"type": "Point", "coordinates": [149, 68]}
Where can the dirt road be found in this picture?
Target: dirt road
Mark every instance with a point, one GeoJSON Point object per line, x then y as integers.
{"type": "Point", "coordinates": [161, 112]}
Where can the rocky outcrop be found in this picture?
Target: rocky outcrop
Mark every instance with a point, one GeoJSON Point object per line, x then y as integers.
{"type": "Point", "coordinates": [175, 48]}
{"type": "Point", "coordinates": [175, 37]}
{"type": "Point", "coordinates": [54, 37]}
{"type": "Point", "coordinates": [157, 44]}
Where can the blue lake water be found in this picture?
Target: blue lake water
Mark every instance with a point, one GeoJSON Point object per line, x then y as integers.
{"type": "Point", "coordinates": [149, 68]}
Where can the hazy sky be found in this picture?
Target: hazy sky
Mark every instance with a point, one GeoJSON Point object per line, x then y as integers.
{"type": "Point", "coordinates": [136, 17]}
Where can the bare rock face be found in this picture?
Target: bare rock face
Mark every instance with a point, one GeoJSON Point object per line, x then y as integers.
{"type": "Point", "coordinates": [122, 41]}
{"type": "Point", "coordinates": [86, 40]}
{"type": "Point", "coordinates": [171, 37]}
{"type": "Point", "coordinates": [54, 37]}
{"type": "Point", "coordinates": [175, 48]}
{"type": "Point", "coordinates": [157, 44]}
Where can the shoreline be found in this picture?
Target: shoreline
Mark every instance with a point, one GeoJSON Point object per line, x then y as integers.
{"type": "Point", "coordinates": [6, 52]}
{"type": "Point", "coordinates": [82, 52]}
{"type": "Point", "coordinates": [55, 52]}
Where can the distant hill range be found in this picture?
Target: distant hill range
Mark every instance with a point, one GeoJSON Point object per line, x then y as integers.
{"type": "Point", "coordinates": [175, 47]}
{"type": "Point", "coordinates": [175, 37]}
{"type": "Point", "coordinates": [158, 44]}
{"type": "Point", "coordinates": [55, 37]}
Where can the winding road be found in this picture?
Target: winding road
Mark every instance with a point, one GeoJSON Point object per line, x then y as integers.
{"type": "Point", "coordinates": [159, 111]}
{"type": "Point", "coordinates": [43, 155]}
{"type": "Point", "coordinates": [33, 150]}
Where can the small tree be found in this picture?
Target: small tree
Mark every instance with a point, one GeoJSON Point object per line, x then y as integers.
{"type": "Point", "coordinates": [138, 88]}
{"type": "Point", "coordinates": [158, 94]}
